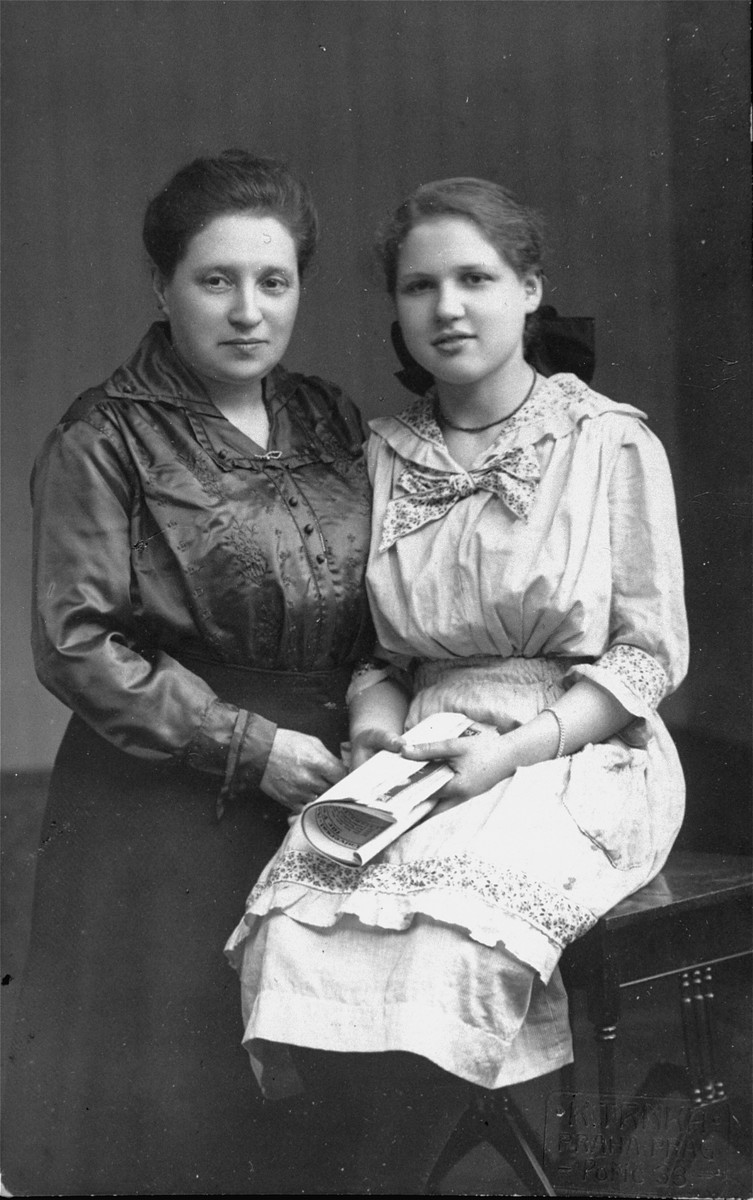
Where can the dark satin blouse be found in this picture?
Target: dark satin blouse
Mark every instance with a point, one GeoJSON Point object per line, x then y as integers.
{"type": "Point", "coordinates": [163, 535]}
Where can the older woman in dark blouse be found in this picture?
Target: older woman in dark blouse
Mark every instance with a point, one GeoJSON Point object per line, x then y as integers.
{"type": "Point", "coordinates": [201, 530]}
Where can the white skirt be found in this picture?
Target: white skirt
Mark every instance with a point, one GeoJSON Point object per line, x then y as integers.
{"type": "Point", "coordinates": [447, 944]}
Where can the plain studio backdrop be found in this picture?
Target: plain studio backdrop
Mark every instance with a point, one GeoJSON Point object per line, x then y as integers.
{"type": "Point", "coordinates": [625, 121]}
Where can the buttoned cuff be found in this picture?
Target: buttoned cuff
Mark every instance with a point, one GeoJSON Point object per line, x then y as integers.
{"type": "Point", "coordinates": [234, 744]}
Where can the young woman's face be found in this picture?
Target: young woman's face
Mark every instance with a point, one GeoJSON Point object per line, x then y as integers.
{"type": "Point", "coordinates": [460, 305]}
{"type": "Point", "coordinates": [233, 299]}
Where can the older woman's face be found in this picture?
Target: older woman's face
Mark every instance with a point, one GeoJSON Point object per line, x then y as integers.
{"type": "Point", "coordinates": [233, 299]}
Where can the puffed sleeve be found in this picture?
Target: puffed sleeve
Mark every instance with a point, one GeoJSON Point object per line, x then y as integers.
{"type": "Point", "coordinates": [647, 657]}
{"type": "Point", "coordinates": [89, 648]}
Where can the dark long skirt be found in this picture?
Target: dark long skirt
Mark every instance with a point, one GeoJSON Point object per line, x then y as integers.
{"type": "Point", "coordinates": [126, 1073]}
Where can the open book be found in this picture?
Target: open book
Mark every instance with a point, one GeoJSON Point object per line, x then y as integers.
{"type": "Point", "coordinates": [352, 821]}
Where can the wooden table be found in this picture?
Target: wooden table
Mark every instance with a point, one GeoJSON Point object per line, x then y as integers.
{"type": "Point", "coordinates": [695, 914]}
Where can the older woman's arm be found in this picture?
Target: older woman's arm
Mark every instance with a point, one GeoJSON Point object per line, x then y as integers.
{"type": "Point", "coordinates": [94, 653]}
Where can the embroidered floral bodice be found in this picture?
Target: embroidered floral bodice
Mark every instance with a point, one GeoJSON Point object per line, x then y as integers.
{"type": "Point", "coordinates": [163, 532]}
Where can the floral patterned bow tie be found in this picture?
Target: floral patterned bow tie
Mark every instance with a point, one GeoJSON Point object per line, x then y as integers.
{"type": "Point", "coordinates": [513, 476]}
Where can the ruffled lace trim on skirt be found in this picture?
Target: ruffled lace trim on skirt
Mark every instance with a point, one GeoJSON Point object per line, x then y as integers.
{"type": "Point", "coordinates": [493, 905]}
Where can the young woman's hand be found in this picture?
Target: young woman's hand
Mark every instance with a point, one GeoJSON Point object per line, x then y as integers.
{"type": "Point", "coordinates": [480, 759]}
{"type": "Point", "coordinates": [369, 741]}
{"type": "Point", "coordinates": [299, 769]}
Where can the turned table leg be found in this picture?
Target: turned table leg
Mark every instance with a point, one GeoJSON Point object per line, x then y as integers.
{"type": "Point", "coordinates": [696, 997]}
{"type": "Point", "coordinates": [604, 1013]}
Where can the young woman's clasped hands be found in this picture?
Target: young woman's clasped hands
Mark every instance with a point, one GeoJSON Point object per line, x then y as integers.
{"type": "Point", "coordinates": [495, 753]}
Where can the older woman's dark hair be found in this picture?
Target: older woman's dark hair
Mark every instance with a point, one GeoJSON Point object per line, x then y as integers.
{"type": "Point", "coordinates": [516, 232]}
{"type": "Point", "coordinates": [235, 181]}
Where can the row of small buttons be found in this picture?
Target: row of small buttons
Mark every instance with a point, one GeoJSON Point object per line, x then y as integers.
{"type": "Point", "coordinates": [307, 529]}
{"type": "Point", "coordinates": [293, 503]}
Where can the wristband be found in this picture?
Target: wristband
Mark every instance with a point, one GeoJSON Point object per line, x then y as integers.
{"type": "Point", "coordinates": [561, 728]}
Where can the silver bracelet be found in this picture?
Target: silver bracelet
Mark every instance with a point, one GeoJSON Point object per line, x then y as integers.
{"type": "Point", "coordinates": [561, 727]}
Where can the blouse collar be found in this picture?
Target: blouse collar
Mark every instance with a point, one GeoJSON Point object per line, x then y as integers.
{"type": "Point", "coordinates": [557, 407]}
{"type": "Point", "coordinates": [156, 372]}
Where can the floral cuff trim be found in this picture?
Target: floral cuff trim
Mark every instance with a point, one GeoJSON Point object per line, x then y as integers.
{"type": "Point", "coordinates": [633, 677]}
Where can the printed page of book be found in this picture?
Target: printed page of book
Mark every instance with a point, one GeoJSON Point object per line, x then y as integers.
{"type": "Point", "coordinates": [357, 817]}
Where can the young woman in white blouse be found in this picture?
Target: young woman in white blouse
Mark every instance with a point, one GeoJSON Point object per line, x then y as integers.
{"type": "Point", "coordinates": [525, 570]}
